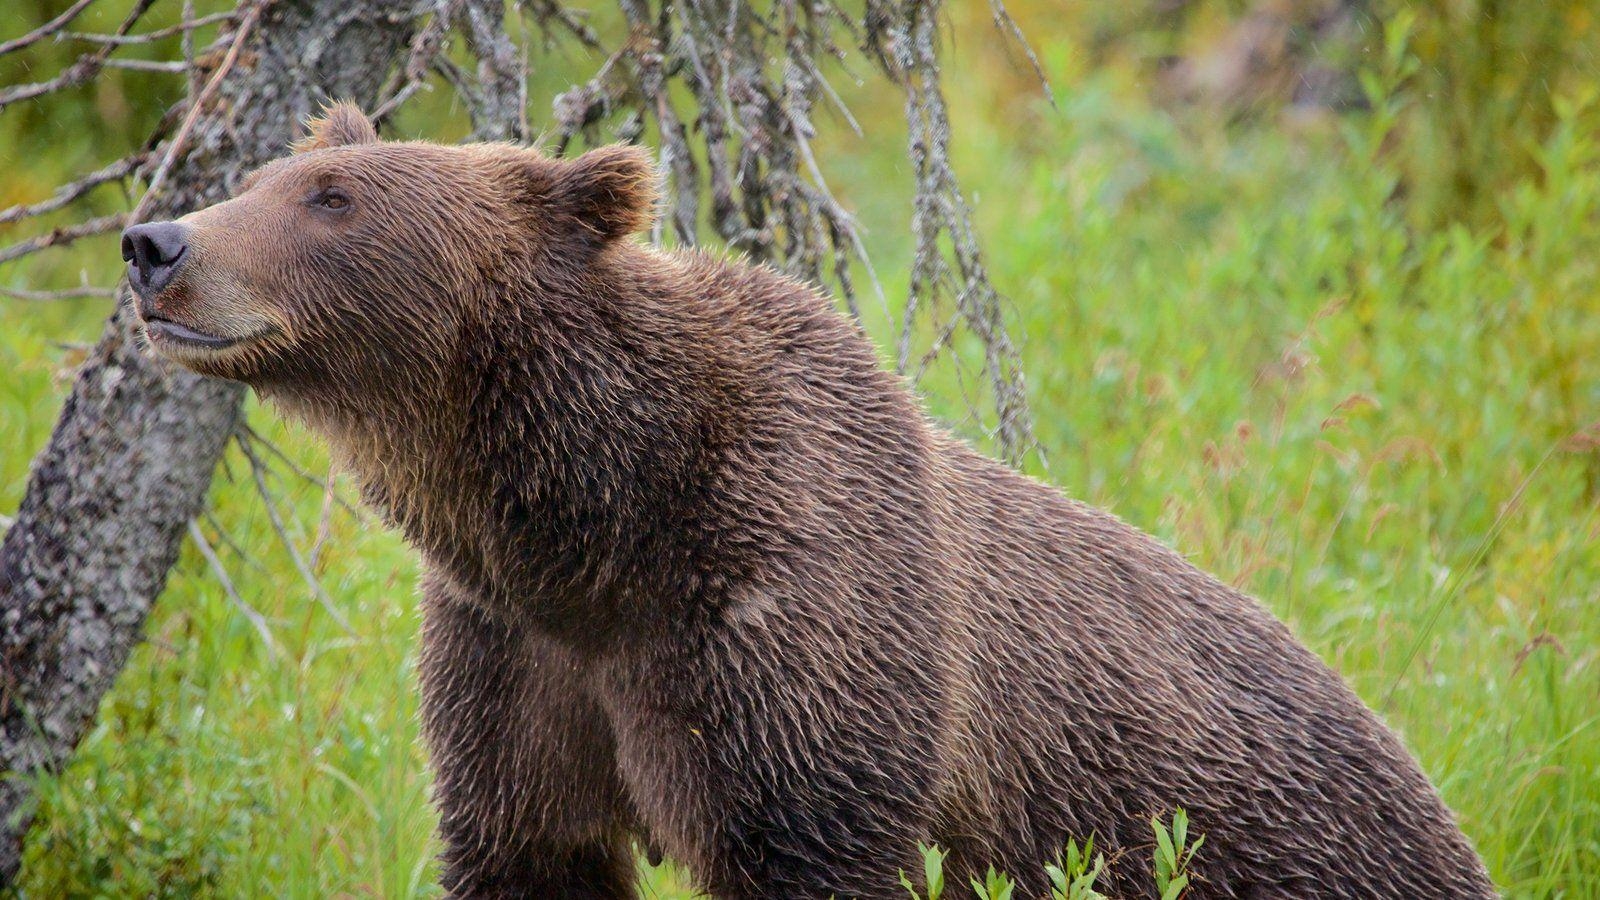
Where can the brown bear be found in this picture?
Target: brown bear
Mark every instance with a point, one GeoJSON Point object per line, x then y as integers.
{"type": "Point", "coordinates": [701, 575]}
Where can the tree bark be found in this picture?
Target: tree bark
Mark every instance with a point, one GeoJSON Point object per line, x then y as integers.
{"type": "Point", "coordinates": [127, 467]}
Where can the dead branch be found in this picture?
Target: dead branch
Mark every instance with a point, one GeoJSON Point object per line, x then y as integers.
{"type": "Point", "coordinates": [85, 68]}
{"type": "Point", "coordinates": [948, 266]}
{"type": "Point", "coordinates": [246, 433]}
{"type": "Point", "coordinates": [258, 471]}
{"type": "Point", "coordinates": [1005, 24]}
{"type": "Point", "coordinates": [497, 100]}
{"type": "Point", "coordinates": [146, 37]}
{"type": "Point", "coordinates": [426, 45]}
{"type": "Point", "coordinates": [256, 619]}
{"type": "Point", "coordinates": [554, 19]}
{"type": "Point", "coordinates": [68, 193]}
{"type": "Point", "coordinates": [64, 235]}
{"type": "Point", "coordinates": [77, 293]}
{"type": "Point", "coordinates": [227, 541]}
{"type": "Point", "coordinates": [176, 145]}
{"type": "Point", "coordinates": [147, 65]}
{"type": "Point", "coordinates": [47, 29]}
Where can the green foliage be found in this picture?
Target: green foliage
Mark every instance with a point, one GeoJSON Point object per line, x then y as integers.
{"type": "Point", "coordinates": [1173, 855]}
{"type": "Point", "coordinates": [1072, 876]}
{"type": "Point", "coordinates": [994, 886]}
{"type": "Point", "coordinates": [1487, 91]}
{"type": "Point", "coordinates": [932, 873]}
{"type": "Point", "coordinates": [1243, 338]}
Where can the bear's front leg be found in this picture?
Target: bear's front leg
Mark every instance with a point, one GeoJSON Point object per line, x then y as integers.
{"type": "Point", "coordinates": [525, 779]}
{"type": "Point", "coordinates": [775, 775]}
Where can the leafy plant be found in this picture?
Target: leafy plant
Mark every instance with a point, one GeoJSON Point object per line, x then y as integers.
{"type": "Point", "coordinates": [932, 873]}
{"type": "Point", "coordinates": [994, 886]}
{"type": "Point", "coordinates": [1173, 854]}
{"type": "Point", "coordinates": [1073, 874]}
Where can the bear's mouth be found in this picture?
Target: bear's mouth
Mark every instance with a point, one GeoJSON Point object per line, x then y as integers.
{"type": "Point", "coordinates": [164, 329]}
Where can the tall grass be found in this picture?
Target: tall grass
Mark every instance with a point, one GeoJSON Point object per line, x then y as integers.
{"type": "Point", "coordinates": [1235, 336]}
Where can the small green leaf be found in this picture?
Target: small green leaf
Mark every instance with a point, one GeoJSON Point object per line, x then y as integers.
{"type": "Point", "coordinates": [932, 869]}
{"type": "Point", "coordinates": [1195, 849]}
{"type": "Point", "coordinates": [1164, 852]}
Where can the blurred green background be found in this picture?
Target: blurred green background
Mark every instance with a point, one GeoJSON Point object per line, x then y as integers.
{"type": "Point", "coordinates": [1308, 290]}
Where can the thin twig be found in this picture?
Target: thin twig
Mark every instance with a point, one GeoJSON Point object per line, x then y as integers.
{"type": "Point", "coordinates": [67, 193]}
{"type": "Point", "coordinates": [546, 12]}
{"type": "Point", "coordinates": [82, 70]}
{"type": "Point", "coordinates": [186, 47]}
{"type": "Point", "coordinates": [257, 470]}
{"type": "Point", "coordinates": [330, 498]}
{"type": "Point", "coordinates": [147, 65]}
{"type": "Point", "coordinates": [77, 293]}
{"type": "Point", "coordinates": [145, 37]}
{"type": "Point", "coordinates": [256, 619]}
{"type": "Point", "coordinates": [1005, 23]}
{"type": "Point", "coordinates": [45, 30]}
{"type": "Point", "coordinates": [175, 147]}
{"type": "Point", "coordinates": [233, 545]}
{"type": "Point", "coordinates": [64, 235]}
{"type": "Point", "coordinates": [426, 45]}
{"type": "Point", "coordinates": [250, 434]}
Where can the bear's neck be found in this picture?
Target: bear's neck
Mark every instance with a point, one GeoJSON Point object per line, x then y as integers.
{"type": "Point", "coordinates": [572, 470]}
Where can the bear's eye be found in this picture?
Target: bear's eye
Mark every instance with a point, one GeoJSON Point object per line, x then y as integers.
{"type": "Point", "coordinates": [331, 199]}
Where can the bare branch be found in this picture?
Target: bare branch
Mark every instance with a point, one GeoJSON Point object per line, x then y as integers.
{"type": "Point", "coordinates": [176, 145]}
{"type": "Point", "coordinates": [47, 29]}
{"type": "Point", "coordinates": [146, 37]}
{"type": "Point", "coordinates": [426, 45]}
{"type": "Point", "coordinates": [948, 263]}
{"type": "Point", "coordinates": [1007, 25]}
{"type": "Point", "coordinates": [227, 541]}
{"type": "Point", "coordinates": [77, 293]}
{"type": "Point", "coordinates": [64, 235]}
{"type": "Point", "coordinates": [256, 619]}
{"type": "Point", "coordinates": [550, 15]}
{"type": "Point", "coordinates": [753, 83]}
{"type": "Point", "coordinates": [257, 473]}
{"type": "Point", "coordinates": [68, 193]}
{"type": "Point", "coordinates": [81, 71]}
{"type": "Point", "coordinates": [146, 65]}
{"type": "Point", "coordinates": [250, 434]}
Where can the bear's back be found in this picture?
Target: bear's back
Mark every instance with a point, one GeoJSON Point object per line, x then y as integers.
{"type": "Point", "coordinates": [1114, 681]}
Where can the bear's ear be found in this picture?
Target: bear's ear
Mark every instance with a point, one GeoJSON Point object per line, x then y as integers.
{"type": "Point", "coordinates": [610, 190]}
{"type": "Point", "coordinates": [341, 124]}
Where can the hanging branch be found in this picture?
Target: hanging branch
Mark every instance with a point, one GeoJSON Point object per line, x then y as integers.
{"type": "Point", "coordinates": [948, 267]}
{"type": "Point", "coordinates": [752, 79]}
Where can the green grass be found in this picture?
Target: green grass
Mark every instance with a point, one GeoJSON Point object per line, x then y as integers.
{"type": "Point", "coordinates": [1233, 339]}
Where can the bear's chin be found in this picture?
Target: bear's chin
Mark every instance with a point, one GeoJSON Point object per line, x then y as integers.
{"type": "Point", "coordinates": [235, 359]}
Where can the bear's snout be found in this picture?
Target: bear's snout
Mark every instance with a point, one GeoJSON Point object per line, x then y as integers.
{"type": "Point", "coordinates": [154, 251]}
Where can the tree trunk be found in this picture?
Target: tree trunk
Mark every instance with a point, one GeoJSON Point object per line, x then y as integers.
{"type": "Point", "coordinates": [129, 462]}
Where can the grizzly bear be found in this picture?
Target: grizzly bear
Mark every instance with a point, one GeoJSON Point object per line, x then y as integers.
{"type": "Point", "coordinates": [702, 577]}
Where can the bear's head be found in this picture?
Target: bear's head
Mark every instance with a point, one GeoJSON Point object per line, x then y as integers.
{"type": "Point", "coordinates": [351, 258]}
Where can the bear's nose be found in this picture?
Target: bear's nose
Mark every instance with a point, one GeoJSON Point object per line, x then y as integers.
{"type": "Point", "coordinates": [154, 252]}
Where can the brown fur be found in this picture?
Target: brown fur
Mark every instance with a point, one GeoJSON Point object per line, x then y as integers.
{"type": "Point", "coordinates": [700, 573]}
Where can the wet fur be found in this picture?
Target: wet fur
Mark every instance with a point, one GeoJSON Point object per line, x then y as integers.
{"type": "Point", "coordinates": [700, 573]}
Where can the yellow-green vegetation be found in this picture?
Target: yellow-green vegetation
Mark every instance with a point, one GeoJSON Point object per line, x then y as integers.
{"type": "Point", "coordinates": [1237, 336]}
